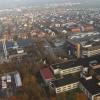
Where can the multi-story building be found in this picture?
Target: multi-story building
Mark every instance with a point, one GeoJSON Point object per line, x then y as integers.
{"type": "Point", "coordinates": [64, 84]}
{"type": "Point", "coordinates": [66, 68]}
{"type": "Point", "coordinates": [91, 88]}
{"type": "Point", "coordinates": [90, 81]}
{"type": "Point", "coordinates": [83, 44]}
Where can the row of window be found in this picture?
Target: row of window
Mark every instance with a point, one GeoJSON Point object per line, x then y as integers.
{"type": "Point", "coordinates": [71, 70]}
{"type": "Point", "coordinates": [67, 87]}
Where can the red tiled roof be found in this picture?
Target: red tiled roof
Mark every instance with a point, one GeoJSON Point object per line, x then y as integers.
{"type": "Point", "coordinates": [46, 73]}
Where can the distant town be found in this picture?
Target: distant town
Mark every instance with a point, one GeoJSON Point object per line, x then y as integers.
{"type": "Point", "coordinates": [50, 52]}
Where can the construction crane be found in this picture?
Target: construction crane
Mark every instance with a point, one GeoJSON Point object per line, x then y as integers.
{"type": "Point", "coordinates": [4, 43]}
{"type": "Point", "coordinates": [4, 47]}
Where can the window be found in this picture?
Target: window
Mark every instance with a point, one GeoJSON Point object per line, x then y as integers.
{"type": "Point", "coordinates": [64, 88]}
{"type": "Point", "coordinates": [68, 87]}
{"type": "Point", "coordinates": [75, 85]}
{"type": "Point", "coordinates": [66, 71]}
{"type": "Point", "coordinates": [58, 90]}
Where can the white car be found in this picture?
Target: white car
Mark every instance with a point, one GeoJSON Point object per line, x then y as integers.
{"type": "Point", "coordinates": [20, 50]}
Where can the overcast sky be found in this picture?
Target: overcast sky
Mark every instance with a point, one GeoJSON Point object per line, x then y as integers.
{"type": "Point", "coordinates": [16, 3]}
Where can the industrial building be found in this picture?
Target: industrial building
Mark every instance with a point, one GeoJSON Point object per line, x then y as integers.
{"type": "Point", "coordinates": [9, 84]}
{"type": "Point", "coordinates": [83, 45]}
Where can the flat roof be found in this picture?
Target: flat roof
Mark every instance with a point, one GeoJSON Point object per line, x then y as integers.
{"type": "Point", "coordinates": [25, 42]}
{"type": "Point", "coordinates": [65, 65]}
{"type": "Point", "coordinates": [21, 43]}
{"type": "Point", "coordinates": [12, 51]}
{"type": "Point", "coordinates": [91, 85]}
{"type": "Point", "coordinates": [85, 38]}
{"type": "Point", "coordinates": [47, 73]}
{"type": "Point", "coordinates": [97, 71]}
{"type": "Point", "coordinates": [68, 79]}
{"type": "Point", "coordinates": [9, 82]}
{"type": "Point", "coordinates": [12, 80]}
{"type": "Point", "coordinates": [75, 63]}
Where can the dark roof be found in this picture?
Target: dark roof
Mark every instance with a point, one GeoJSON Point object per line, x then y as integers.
{"type": "Point", "coordinates": [86, 61]}
{"type": "Point", "coordinates": [9, 44]}
{"type": "Point", "coordinates": [25, 42]}
{"type": "Point", "coordinates": [68, 79]}
{"type": "Point", "coordinates": [91, 85]}
{"type": "Point", "coordinates": [22, 43]}
{"type": "Point", "coordinates": [66, 65]}
{"type": "Point", "coordinates": [12, 51]}
{"type": "Point", "coordinates": [97, 71]}
{"type": "Point", "coordinates": [1, 46]}
{"type": "Point", "coordinates": [75, 63]}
